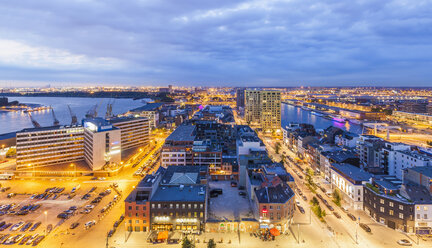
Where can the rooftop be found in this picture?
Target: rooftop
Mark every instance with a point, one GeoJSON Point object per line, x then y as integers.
{"type": "Point", "coordinates": [183, 133]}
{"type": "Point", "coordinates": [425, 170]}
{"type": "Point", "coordinates": [280, 193]}
{"type": "Point", "coordinates": [349, 171]}
{"type": "Point", "coordinates": [189, 193]}
{"type": "Point", "coordinates": [39, 129]}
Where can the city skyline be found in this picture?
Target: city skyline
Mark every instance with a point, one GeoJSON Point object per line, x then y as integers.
{"type": "Point", "coordinates": [276, 43]}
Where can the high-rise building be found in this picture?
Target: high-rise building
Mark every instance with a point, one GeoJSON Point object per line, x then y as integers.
{"type": "Point", "coordinates": [49, 145]}
{"type": "Point", "coordinates": [263, 108]}
{"type": "Point", "coordinates": [102, 143]}
{"type": "Point", "coordinates": [135, 132]}
{"type": "Point", "coordinates": [240, 94]}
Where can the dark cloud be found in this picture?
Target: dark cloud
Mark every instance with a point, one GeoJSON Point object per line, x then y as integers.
{"type": "Point", "coordinates": [283, 43]}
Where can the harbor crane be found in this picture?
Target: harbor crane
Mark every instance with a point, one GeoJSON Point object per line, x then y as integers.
{"type": "Point", "coordinates": [33, 121]}
{"type": "Point", "coordinates": [73, 116]}
{"type": "Point", "coordinates": [92, 113]}
{"type": "Point", "coordinates": [109, 112]}
{"type": "Point", "coordinates": [56, 122]}
{"type": "Point", "coordinates": [382, 124]}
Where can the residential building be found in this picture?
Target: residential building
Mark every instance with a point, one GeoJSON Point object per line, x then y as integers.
{"type": "Point", "coordinates": [408, 159]}
{"type": "Point", "coordinates": [263, 108]}
{"type": "Point", "coordinates": [349, 180]}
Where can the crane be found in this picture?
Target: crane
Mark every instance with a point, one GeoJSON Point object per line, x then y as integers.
{"type": "Point", "coordinates": [33, 121]}
{"type": "Point", "coordinates": [73, 116]}
{"type": "Point", "coordinates": [55, 120]}
{"type": "Point", "coordinates": [92, 112]}
{"type": "Point", "coordinates": [109, 112]}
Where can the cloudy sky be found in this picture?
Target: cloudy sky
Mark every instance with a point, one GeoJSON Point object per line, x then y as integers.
{"type": "Point", "coordinates": [217, 42]}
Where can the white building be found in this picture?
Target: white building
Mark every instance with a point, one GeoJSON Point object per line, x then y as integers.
{"type": "Point", "coordinates": [388, 157]}
{"type": "Point", "coordinates": [135, 132]}
{"type": "Point", "coordinates": [349, 180]}
{"type": "Point", "coordinates": [44, 146]}
{"type": "Point", "coordinates": [102, 143]}
{"type": "Point", "coordinates": [423, 218]}
{"type": "Point", "coordinates": [409, 159]}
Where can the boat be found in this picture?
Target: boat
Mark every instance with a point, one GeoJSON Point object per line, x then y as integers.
{"type": "Point", "coordinates": [317, 114]}
{"type": "Point", "coordinates": [337, 118]}
{"type": "Point", "coordinates": [305, 108]}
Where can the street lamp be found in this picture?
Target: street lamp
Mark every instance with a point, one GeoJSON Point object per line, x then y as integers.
{"type": "Point", "coordinates": [73, 165]}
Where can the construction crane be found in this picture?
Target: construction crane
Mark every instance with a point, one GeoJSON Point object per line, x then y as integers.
{"type": "Point", "coordinates": [73, 116]}
{"type": "Point", "coordinates": [385, 125]}
{"type": "Point", "coordinates": [92, 113]}
{"type": "Point", "coordinates": [33, 121]}
{"type": "Point", "coordinates": [55, 120]}
{"type": "Point", "coordinates": [109, 109]}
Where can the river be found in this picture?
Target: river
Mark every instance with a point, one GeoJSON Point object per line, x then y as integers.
{"type": "Point", "coordinates": [14, 121]}
{"type": "Point", "coordinates": [296, 114]}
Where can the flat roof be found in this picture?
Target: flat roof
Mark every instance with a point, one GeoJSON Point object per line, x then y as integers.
{"type": "Point", "coordinates": [183, 133]}
{"type": "Point", "coordinates": [425, 170]}
{"type": "Point", "coordinates": [350, 171]}
{"type": "Point", "coordinates": [189, 193]}
{"type": "Point", "coordinates": [7, 135]}
{"type": "Point", "coordinates": [38, 129]}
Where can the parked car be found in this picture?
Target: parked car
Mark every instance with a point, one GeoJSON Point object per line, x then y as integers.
{"type": "Point", "coordinates": [351, 216]}
{"type": "Point", "coordinates": [17, 226]}
{"type": "Point", "coordinates": [35, 226]}
{"type": "Point", "coordinates": [301, 209]}
{"type": "Point", "coordinates": [365, 227]}
{"type": "Point", "coordinates": [74, 225]}
{"type": "Point", "coordinates": [89, 224]}
{"type": "Point", "coordinates": [111, 233]}
{"type": "Point", "coordinates": [337, 215]}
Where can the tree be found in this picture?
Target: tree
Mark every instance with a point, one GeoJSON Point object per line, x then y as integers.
{"type": "Point", "coordinates": [337, 197]}
{"type": "Point", "coordinates": [211, 244]}
{"type": "Point", "coordinates": [314, 201]}
{"type": "Point", "coordinates": [186, 243]}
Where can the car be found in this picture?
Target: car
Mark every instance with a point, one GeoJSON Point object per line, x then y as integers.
{"type": "Point", "coordinates": [10, 195]}
{"type": "Point", "coordinates": [115, 185]}
{"type": "Point", "coordinates": [242, 193]}
{"type": "Point", "coordinates": [337, 215]}
{"type": "Point", "coordinates": [17, 226]}
{"type": "Point", "coordinates": [304, 198]}
{"type": "Point", "coordinates": [365, 227]}
{"type": "Point", "coordinates": [35, 226]}
{"type": "Point", "coordinates": [26, 226]}
{"type": "Point", "coordinates": [38, 240]}
{"type": "Point", "coordinates": [233, 184]}
{"type": "Point", "coordinates": [101, 178]}
{"type": "Point", "coordinates": [63, 216]}
{"type": "Point", "coordinates": [92, 189]}
{"type": "Point", "coordinates": [352, 217]}
{"type": "Point", "coordinates": [404, 242]}
{"type": "Point", "coordinates": [32, 238]}
{"type": "Point", "coordinates": [217, 190]}
{"type": "Point", "coordinates": [89, 224]}
{"type": "Point", "coordinates": [25, 239]}
{"type": "Point", "coordinates": [5, 226]}
{"type": "Point", "coordinates": [297, 203]}
{"type": "Point", "coordinates": [213, 194]}
{"type": "Point", "coordinates": [74, 225]}
{"type": "Point", "coordinates": [73, 208]}
{"type": "Point", "coordinates": [117, 223]}
{"type": "Point", "coordinates": [301, 209]}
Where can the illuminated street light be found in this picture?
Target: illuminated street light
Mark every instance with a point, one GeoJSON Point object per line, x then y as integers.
{"type": "Point", "coordinates": [73, 165]}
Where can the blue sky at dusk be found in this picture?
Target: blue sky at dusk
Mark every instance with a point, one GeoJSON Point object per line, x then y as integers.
{"type": "Point", "coordinates": [217, 43]}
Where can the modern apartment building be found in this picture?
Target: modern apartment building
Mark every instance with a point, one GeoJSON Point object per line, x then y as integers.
{"type": "Point", "coordinates": [263, 107]}
{"type": "Point", "coordinates": [135, 132]}
{"type": "Point", "coordinates": [49, 145]}
{"type": "Point", "coordinates": [102, 143]}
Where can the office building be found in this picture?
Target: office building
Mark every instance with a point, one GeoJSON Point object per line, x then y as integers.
{"type": "Point", "coordinates": [49, 145]}
{"type": "Point", "coordinates": [263, 108]}
{"type": "Point", "coordinates": [135, 131]}
{"type": "Point", "coordinates": [102, 143]}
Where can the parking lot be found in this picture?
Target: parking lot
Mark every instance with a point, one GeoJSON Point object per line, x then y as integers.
{"type": "Point", "coordinates": [230, 204]}
{"type": "Point", "coordinates": [30, 208]}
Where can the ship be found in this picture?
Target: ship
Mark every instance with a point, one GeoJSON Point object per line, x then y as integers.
{"type": "Point", "coordinates": [317, 114]}
{"type": "Point", "coordinates": [337, 118]}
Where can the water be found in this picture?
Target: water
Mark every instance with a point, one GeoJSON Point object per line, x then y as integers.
{"type": "Point", "coordinates": [296, 114]}
{"type": "Point", "coordinates": [14, 121]}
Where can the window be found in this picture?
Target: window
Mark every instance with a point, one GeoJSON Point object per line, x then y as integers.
{"type": "Point", "coordinates": [271, 207]}
{"type": "Point", "coordinates": [137, 222]}
{"type": "Point", "coordinates": [382, 201]}
{"type": "Point", "coordinates": [391, 212]}
{"type": "Point", "coordinates": [401, 216]}
{"type": "Point", "coordinates": [382, 209]}
{"type": "Point", "coordinates": [201, 205]}
{"type": "Point", "coordinates": [171, 205]}
{"type": "Point", "coordinates": [418, 216]}
{"type": "Point", "coordinates": [177, 205]}
{"type": "Point", "coordinates": [425, 216]}
{"type": "Point", "coordinates": [136, 208]}
{"type": "Point", "coordinates": [195, 206]}
{"type": "Point", "coordinates": [391, 204]}
{"type": "Point", "coordinates": [130, 207]}
{"type": "Point", "coordinates": [159, 206]}
{"type": "Point", "coordinates": [401, 207]}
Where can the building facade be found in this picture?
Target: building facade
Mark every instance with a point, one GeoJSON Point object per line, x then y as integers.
{"type": "Point", "coordinates": [263, 108]}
